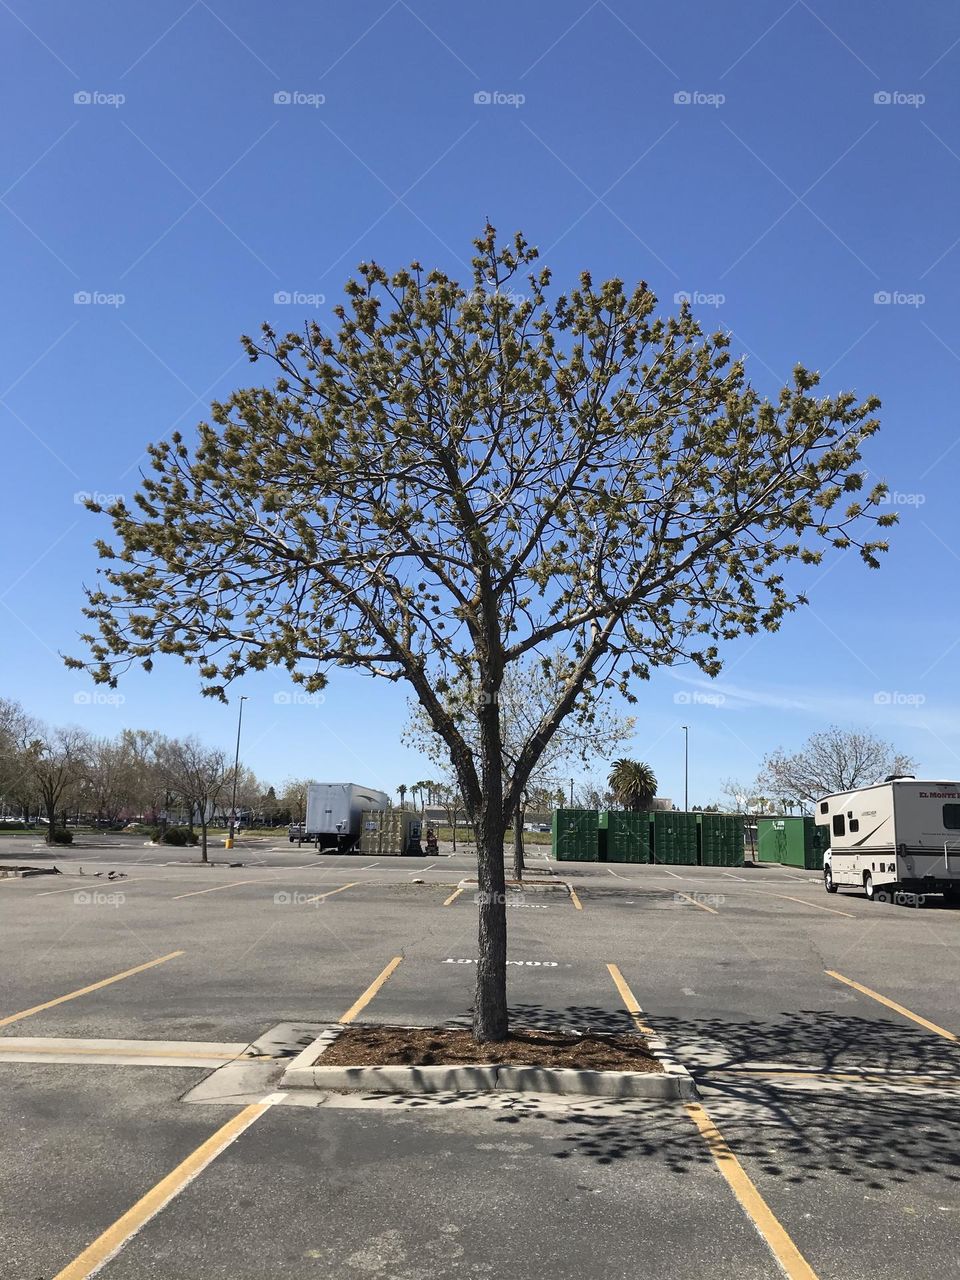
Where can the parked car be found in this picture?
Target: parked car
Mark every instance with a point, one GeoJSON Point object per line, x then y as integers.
{"type": "Point", "coordinates": [296, 832]}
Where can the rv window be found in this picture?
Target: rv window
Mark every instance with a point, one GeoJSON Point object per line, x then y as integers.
{"type": "Point", "coordinates": [855, 827]}
{"type": "Point", "coordinates": [838, 827]}
{"type": "Point", "coordinates": [951, 817]}
{"type": "Point", "coordinates": [824, 806]}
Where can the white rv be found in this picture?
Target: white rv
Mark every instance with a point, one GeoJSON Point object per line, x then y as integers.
{"type": "Point", "coordinates": [900, 836]}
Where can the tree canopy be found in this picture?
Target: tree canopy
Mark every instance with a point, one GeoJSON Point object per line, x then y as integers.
{"type": "Point", "coordinates": [460, 478]}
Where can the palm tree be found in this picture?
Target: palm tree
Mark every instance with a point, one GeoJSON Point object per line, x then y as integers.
{"type": "Point", "coordinates": [401, 792]}
{"type": "Point", "coordinates": [633, 783]}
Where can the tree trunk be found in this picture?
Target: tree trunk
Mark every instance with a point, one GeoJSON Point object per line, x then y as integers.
{"type": "Point", "coordinates": [490, 1019]}
{"type": "Point", "coordinates": [518, 865]}
{"type": "Point", "coordinates": [203, 841]}
{"type": "Point", "coordinates": [51, 808]}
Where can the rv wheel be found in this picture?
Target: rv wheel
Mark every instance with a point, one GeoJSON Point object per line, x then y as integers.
{"type": "Point", "coordinates": [828, 880]}
{"type": "Point", "coordinates": [868, 888]}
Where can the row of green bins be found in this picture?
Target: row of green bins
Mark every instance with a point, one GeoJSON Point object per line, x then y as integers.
{"type": "Point", "coordinates": [675, 837]}
{"type": "Point", "coordinates": [792, 841]}
{"type": "Point", "coordinates": [575, 835]}
{"type": "Point", "coordinates": [721, 839]}
{"type": "Point", "coordinates": [624, 836]}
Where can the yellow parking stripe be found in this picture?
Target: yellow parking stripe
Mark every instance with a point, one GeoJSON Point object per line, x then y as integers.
{"type": "Point", "coordinates": [94, 986]}
{"type": "Point", "coordinates": [371, 991]}
{"type": "Point", "coordinates": [319, 897]}
{"type": "Point", "coordinates": [782, 1247]}
{"type": "Point", "coordinates": [897, 1008]}
{"type": "Point", "coordinates": [804, 903]}
{"type": "Point", "coordinates": [195, 893]}
{"type": "Point", "coordinates": [791, 1260]}
{"type": "Point", "coordinates": [107, 1245]}
{"type": "Point", "coordinates": [574, 899]}
{"type": "Point", "coordinates": [629, 999]}
{"type": "Point", "coordinates": [693, 902]}
{"type": "Point", "coordinates": [453, 897]}
{"type": "Point", "coordinates": [84, 886]}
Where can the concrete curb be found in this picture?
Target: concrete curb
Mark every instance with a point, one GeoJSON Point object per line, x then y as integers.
{"type": "Point", "coordinates": [306, 1072]}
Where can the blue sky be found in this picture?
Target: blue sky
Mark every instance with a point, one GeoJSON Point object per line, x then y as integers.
{"type": "Point", "coordinates": [794, 166]}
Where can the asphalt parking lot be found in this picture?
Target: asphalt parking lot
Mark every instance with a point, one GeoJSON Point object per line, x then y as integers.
{"type": "Point", "coordinates": [822, 1033]}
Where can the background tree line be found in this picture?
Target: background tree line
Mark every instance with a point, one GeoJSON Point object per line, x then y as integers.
{"type": "Point", "coordinates": [60, 774]}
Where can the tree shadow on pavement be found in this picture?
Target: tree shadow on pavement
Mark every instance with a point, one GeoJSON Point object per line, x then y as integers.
{"type": "Point", "coordinates": [873, 1136]}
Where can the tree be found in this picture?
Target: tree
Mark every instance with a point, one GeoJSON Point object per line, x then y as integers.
{"type": "Point", "coordinates": [833, 760]}
{"type": "Point", "coordinates": [294, 797]}
{"type": "Point", "coordinates": [197, 775]}
{"type": "Point", "coordinates": [269, 806]}
{"type": "Point", "coordinates": [55, 761]}
{"type": "Point", "coordinates": [110, 777]}
{"type": "Point", "coordinates": [458, 477]}
{"type": "Point", "coordinates": [527, 692]}
{"type": "Point", "coordinates": [633, 783]}
{"type": "Point", "coordinates": [401, 792]}
{"type": "Point", "coordinates": [16, 731]}
{"type": "Point", "coordinates": [593, 793]}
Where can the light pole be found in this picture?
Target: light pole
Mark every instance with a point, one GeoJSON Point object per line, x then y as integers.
{"type": "Point", "coordinates": [686, 767]}
{"type": "Point", "coordinates": [236, 766]}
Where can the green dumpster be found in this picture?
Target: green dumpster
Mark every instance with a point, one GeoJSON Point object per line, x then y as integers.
{"type": "Point", "coordinates": [575, 835]}
{"type": "Point", "coordinates": [675, 838]}
{"type": "Point", "coordinates": [627, 835]}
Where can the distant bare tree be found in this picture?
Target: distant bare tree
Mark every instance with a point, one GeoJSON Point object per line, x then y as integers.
{"type": "Point", "coordinates": [197, 775]}
{"type": "Point", "coordinates": [55, 761]}
{"type": "Point", "coordinates": [830, 761]}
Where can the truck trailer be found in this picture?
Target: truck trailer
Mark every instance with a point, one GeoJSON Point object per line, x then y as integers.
{"type": "Point", "coordinates": [898, 837]}
{"type": "Point", "coordinates": [335, 813]}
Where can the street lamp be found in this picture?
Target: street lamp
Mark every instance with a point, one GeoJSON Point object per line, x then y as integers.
{"type": "Point", "coordinates": [686, 767]}
{"type": "Point", "coordinates": [236, 766]}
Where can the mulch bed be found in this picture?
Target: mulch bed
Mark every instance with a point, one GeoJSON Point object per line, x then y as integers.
{"type": "Point", "coordinates": [445, 1046]}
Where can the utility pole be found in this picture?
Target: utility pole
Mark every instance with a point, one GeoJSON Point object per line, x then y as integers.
{"type": "Point", "coordinates": [571, 793]}
{"type": "Point", "coordinates": [236, 765]}
{"type": "Point", "coordinates": [686, 767]}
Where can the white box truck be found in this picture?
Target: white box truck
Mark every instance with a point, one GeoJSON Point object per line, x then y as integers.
{"type": "Point", "coordinates": [897, 840]}
{"type": "Point", "coordinates": [335, 810]}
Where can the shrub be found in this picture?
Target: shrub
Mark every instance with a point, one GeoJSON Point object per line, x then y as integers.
{"type": "Point", "coordinates": [179, 836]}
{"type": "Point", "coordinates": [61, 836]}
